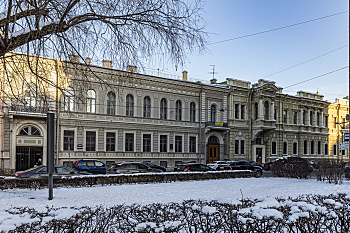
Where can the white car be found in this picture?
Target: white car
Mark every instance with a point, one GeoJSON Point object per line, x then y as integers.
{"type": "Point", "coordinates": [217, 165]}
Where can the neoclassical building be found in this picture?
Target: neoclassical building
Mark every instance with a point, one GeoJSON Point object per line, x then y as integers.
{"type": "Point", "coordinates": [266, 124]}
{"type": "Point", "coordinates": [107, 114]}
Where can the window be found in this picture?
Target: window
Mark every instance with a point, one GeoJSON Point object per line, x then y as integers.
{"type": "Point", "coordinates": [163, 163]}
{"type": "Point", "coordinates": [334, 149]}
{"type": "Point", "coordinates": [130, 105]}
{"type": "Point", "coordinates": [110, 141]}
{"type": "Point", "coordinates": [274, 147]}
{"type": "Point", "coordinates": [91, 101]}
{"type": "Point", "coordinates": [319, 148]}
{"type": "Point", "coordinates": [213, 114]}
{"type": "Point", "coordinates": [30, 131]}
{"type": "Point", "coordinates": [146, 142]}
{"type": "Point", "coordinates": [111, 103]}
{"type": "Point", "coordinates": [311, 118]}
{"type": "Point", "coordinates": [256, 111]}
{"type": "Point", "coordinates": [69, 99]}
{"type": "Point", "coordinates": [275, 114]}
{"type": "Point", "coordinates": [285, 148]}
{"type": "Point", "coordinates": [178, 110]}
{"type": "Point", "coordinates": [129, 142]}
{"type": "Point", "coordinates": [163, 143]}
{"type": "Point", "coordinates": [31, 95]}
{"type": "Point", "coordinates": [178, 143]}
{"type": "Point", "coordinates": [90, 141]}
{"type": "Point", "coordinates": [312, 147]}
{"type": "Point", "coordinates": [318, 118]}
{"type": "Point", "coordinates": [237, 147]}
{"type": "Point", "coordinates": [285, 117]}
{"type": "Point", "coordinates": [147, 107]}
{"type": "Point", "coordinates": [68, 140]}
{"type": "Point", "coordinates": [163, 109]}
{"type": "Point", "coordinates": [266, 110]}
{"type": "Point", "coordinates": [304, 117]}
{"type": "Point", "coordinates": [236, 111]}
{"type": "Point", "coordinates": [305, 147]}
{"type": "Point", "coordinates": [193, 145]}
{"type": "Point", "coordinates": [295, 118]}
{"type": "Point", "coordinates": [242, 111]}
{"type": "Point", "coordinates": [326, 149]}
{"type": "Point", "coordinates": [326, 121]}
{"type": "Point", "coordinates": [334, 122]}
{"type": "Point", "coordinates": [295, 148]}
{"type": "Point", "coordinates": [192, 112]}
{"type": "Point", "coordinates": [242, 147]}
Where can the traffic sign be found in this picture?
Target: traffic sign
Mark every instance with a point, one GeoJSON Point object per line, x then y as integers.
{"type": "Point", "coordinates": [346, 137]}
{"type": "Point", "coordinates": [343, 146]}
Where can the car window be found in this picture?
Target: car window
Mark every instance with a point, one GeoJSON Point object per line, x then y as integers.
{"type": "Point", "coordinates": [42, 170]}
{"type": "Point", "coordinates": [247, 163]}
{"type": "Point", "coordinates": [141, 166]}
{"type": "Point", "coordinates": [63, 170]}
{"type": "Point", "coordinates": [90, 163]}
{"type": "Point", "coordinates": [222, 163]}
{"type": "Point", "coordinates": [241, 163]}
{"type": "Point", "coordinates": [83, 163]}
{"type": "Point", "coordinates": [130, 166]}
{"type": "Point", "coordinates": [99, 164]}
{"type": "Point", "coordinates": [204, 167]}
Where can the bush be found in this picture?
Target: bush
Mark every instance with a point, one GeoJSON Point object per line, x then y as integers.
{"type": "Point", "coordinates": [294, 167]}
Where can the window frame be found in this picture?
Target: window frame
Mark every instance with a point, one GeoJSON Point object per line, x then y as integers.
{"type": "Point", "coordinates": [91, 101]}
{"type": "Point", "coordinates": [86, 140]}
{"type": "Point", "coordinates": [161, 143]}
{"type": "Point", "coordinates": [72, 145]}
{"type": "Point", "coordinates": [163, 109]}
{"type": "Point", "coordinates": [178, 110]}
{"type": "Point", "coordinates": [193, 112]}
{"type": "Point", "coordinates": [111, 103]}
{"type": "Point", "coordinates": [178, 148]}
{"type": "Point", "coordinates": [147, 107]}
{"type": "Point", "coordinates": [129, 105]}
{"type": "Point", "coordinates": [115, 140]}
{"type": "Point", "coordinates": [150, 142]}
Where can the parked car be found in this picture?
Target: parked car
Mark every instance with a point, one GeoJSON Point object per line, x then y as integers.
{"type": "Point", "coordinates": [217, 165]}
{"type": "Point", "coordinates": [244, 165]}
{"type": "Point", "coordinates": [195, 167]}
{"type": "Point", "coordinates": [179, 165]}
{"type": "Point", "coordinates": [255, 163]}
{"type": "Point", "coordinates": [130, 167]}
{"type": "Point", "coordinates": [91, 165]}
{"type": "Point", "coordinates": [41, 172]}
{"type": "Point", "coordinates": [152, 165]}
{"type": "Point", "coordinates": [267, 166]}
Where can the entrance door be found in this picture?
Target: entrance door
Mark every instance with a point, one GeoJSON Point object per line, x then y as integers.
{"type": "Point", "coordinates": [213, 153]}
{"type": "Point", "coordinates": [26, 157]}
{"type": "Point", "coordinates": [259, 155]}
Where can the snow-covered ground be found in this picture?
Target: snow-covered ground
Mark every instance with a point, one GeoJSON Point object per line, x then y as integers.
{"type": "Point", "coordinates": [228, 191]}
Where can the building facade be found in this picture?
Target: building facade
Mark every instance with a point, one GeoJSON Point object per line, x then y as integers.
{"type": "Point", "coordinates": [109, 115]}
{"type": "Point", "coordinates": [266, 124]}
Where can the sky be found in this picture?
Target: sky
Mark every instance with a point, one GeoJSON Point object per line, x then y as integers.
{"type": "Point", "coordinates": [324, 42]}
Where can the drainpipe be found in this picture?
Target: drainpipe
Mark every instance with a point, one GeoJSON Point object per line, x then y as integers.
{"type": "Point", "coordinates": [200, 123]}
{"type": "Point", "coordinates": [58, 114]}
{"type": "Point", "coordinates": [251, 122]}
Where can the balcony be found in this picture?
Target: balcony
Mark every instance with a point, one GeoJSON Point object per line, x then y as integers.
{"type": "Point", "coordinates": [217, 125]}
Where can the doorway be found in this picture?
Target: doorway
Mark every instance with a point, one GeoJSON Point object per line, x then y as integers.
{"type": "Point", "coordinates": [26, 157]}
{"type": "Point", "coordinates": [213, 153]}
{"type": "Point", "coordinates": [258, 155]}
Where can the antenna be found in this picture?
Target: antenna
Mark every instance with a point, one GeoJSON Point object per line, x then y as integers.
{"type": "Point", "coordinates": [213, 72]}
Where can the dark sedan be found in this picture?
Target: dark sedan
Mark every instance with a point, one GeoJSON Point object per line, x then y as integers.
{"type": "Point", "coordinates": [267, 166]}
{"type": "Point", "coordinates": [41, 172]}
{"type": "Point", "coordinates": [244, 165]}
{"type": "Point", "coordinates": [152, 165]}
{"type": "Point", "coordinates": [130, 167]}
{"type": "Point", "coordinates": [195, 167]}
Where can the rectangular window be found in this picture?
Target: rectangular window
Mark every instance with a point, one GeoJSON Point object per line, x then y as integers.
{"type": "Point", "coordinates": [242, 111]}
{"type": "Point", "coordinates": [295, 148]}
{"type": "Point", "coordinates": [193, 145]}
{"type": "Point", "coordinates": [163, 143]}
{"type": "Point", "coordinates": [90, 141]}
{"type": "Point", "coordinates": [146, 142]}
{"type": "Point", "coordinates": [242, 147]}
{"type": "Point", "coordinates": [325, 149]}
{"type": "Point", "coordinates": [285, 117]}
{"type": "Point", "coordinates": [326, 121]}
{"type": "Point", "coordinates": [68, 140]}
{"type": "Point", "coordinates": [236, 111]}
{"type": "Point", "coordinates": [236, 147]}
{"type": "Point", "coordinates": [295, 118]}
{"type": "Point", "coordinates": [129, 142]}
{"type": "Point", "coordinates": [110, 141]}
{"type": "Point", "coordinates": [178, 143]}
{"type": "Point", "coordinates": [274, 148]}
{"type": "Point", "coordinates": [318, 118]}
{"type": "Point", "coordinates": [319, 147]}
{"type": "Point", "coordinates": [304, 118]}
{"type": "Point", "coordinates": [334, 122]}
{"type": "Point", "coordinates": [275, 114]}
{"type": "Point", "coordinates": [285, 148]}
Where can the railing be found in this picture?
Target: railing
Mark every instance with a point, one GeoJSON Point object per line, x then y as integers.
{"type": "Point", "coordinates": [29, 109]}
{"type": "Point", "coordinates": [216, 124]}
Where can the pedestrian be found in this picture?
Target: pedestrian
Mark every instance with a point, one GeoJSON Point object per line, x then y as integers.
{"type": "Point", "coordinates": [39, 162]}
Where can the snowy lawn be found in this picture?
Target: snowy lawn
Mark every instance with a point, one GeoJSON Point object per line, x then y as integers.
{"type": "Point", "coordinates": [224, 191]}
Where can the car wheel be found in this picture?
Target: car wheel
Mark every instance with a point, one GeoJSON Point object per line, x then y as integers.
{"type": "Point", "coordinates": [258, 173]}
{"type": "Point", "coordinates": [35, 185]}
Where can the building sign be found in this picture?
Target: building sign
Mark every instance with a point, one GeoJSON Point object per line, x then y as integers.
{"type": "Point", "coordinates": [80, 146]}
{"type": "Point", "coordinates": [346, 137]}
{"type": "Point", "coordinates": [219, 124]}
{"type": "Point", "coordinates": [344, 146]}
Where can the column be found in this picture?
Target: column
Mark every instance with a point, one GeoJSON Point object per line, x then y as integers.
{"type": "Point", "coordinates": [272, 110]}
{"type": "Point", "coordinates": [301, 116]}
{"type": "Point", "coordinates": [261, 109]}
{"type": "Point", "coordinates": [321, 120]}
{"type": "Point", "coordinates": [308, 120]}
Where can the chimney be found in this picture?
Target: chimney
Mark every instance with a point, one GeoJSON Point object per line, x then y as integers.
{"type": "Point", "coordinates": [107, 64]}
{"type": "Point", "coordinates": [74, 58]}
{"type": "Point", "coordinates": [184, 75]}
{"type": "Point", "coordinates": [88, 60]}
{"type": "Point", "coordinates": [213, 81]}
{"type": "Point", "coordinates": [132, 69]}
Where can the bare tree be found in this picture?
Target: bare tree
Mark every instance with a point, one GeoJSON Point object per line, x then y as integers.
{"type": "Point", "coordinates": [125, 31]}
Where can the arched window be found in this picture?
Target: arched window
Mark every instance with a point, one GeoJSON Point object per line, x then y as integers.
{"type": "Point", "coordinates": [266, 110]}
{"type": "Point", "coordinates": [274, 147]}
{"type": "Point", "coordinates": [285, 148]}
{"type": "Point", "coordinates": [69, 99]}
{"type": "Point", "coordinates": [111, 103]}
{"type": "Point", "coordinates": [91, 101]}
{"type": "Point", "coordinates": [256, 111]}
{"type": "Point", "coordinates": [305, 147]}
{"type": "Point", "coordinates": [147, 107]}
{"type": "Point", "coordinates": [312, 147]}
{"type": "Point", "coordinates": [30, 131]}
{"type": "Point", "coordinates": [213, 140]}
{"type": "Point", "coordinates": [178, 110]}
{"type": "Point", "coordinates": [213, 113]}
{"type": "Point", "coordinates": [31, 95]}
{"type": "Point", "coordinates": [192, 112]}
{"type": "Point", "coordinates": [295, 148]}
{"type": "Point", "coordinates": [163, 109]}
{"type": "Point", "coordinates": [130, 105]}
{"type": "Point", "coordinates": [319, 148]}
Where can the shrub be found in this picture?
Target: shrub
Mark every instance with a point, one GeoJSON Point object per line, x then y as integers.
{"type": "Point", "coordinates": [294, 167]}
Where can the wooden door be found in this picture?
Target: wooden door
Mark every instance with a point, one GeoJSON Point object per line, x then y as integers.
{"type": "Point", "coordinates": [259, 155]}
{"type": "Point", "coordinates": [213, 153]}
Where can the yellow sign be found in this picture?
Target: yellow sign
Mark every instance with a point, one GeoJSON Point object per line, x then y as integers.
{"type": "Point", "coordinates": [219, 124]}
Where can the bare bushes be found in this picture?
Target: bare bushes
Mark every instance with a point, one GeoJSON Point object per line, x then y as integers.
{"type": "Point", "coordinates": [294, 167]}
{"type": "Point", "coordinates": [312, 213]}
{"type": "Point", "coordinates": [331, 171]}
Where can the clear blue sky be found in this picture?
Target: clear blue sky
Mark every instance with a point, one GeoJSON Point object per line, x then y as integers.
{"type": "Point", "coordinates": [258, 56]}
